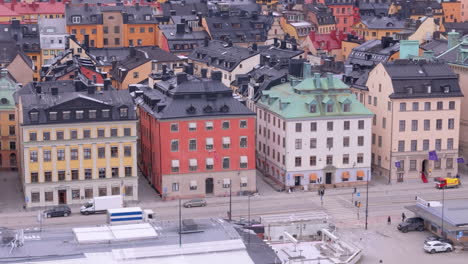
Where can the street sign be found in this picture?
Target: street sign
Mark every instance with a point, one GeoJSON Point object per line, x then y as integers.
{"type": "Point", "coordinates": [358, 194]}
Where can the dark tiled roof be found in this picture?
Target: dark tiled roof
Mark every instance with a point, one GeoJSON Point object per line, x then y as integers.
{"type": "Point", "coordinates": [371, 9]}
{"type": "Point", "coordinates": [372, 53]}
{"type": "Point", "coordinates": [383, 22]}
{"type": "Point", "coordinates": [190, 97]}
{"type": "Point", "coordinates": [190, 37]}
{"type": "Point", "coordinates": [92, 15]}
{"type": "Point", "coordinates": [418, 75]}
{"type": "Point", "coordinates": [280, 55]}
{"type": "Point", "coordinates": [221, 55]}
{"type": "Point", "coordinates": [239, 29]}
{"type": "Point", "coordinates": [105, 56]}
{"type": "Point", "coordinates": [72, 95]}
{"type": "Point", "coordinates": [8, 52]}
{"type": "Point", "coordinates": [25, 35]}
{"type": "Point", "coordinates": [438, 46]}
{"type": "Point", "coordinates": [323, 13]}
{"type": "Point", "coordinates": [183, 9]}
{"type": "Point", "coordinates": [461, 27]}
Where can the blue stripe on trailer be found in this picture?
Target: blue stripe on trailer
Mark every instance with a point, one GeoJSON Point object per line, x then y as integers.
{"type": "Point", "coordinates": [126, 213]}
{"type": "Point", "coordinates": [126, 219]}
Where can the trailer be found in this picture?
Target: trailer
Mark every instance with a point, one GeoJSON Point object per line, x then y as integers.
{"type": "Point", "coordinates": [129, 215]}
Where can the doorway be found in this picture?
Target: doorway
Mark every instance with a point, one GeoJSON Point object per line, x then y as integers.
{"type": "Point", "coordinates": [297, 180]}
{"type": "Point", "coordinates": [424, 169]}
{"type": "Point", "coordinates": [328, 178]}
{"type": "Point", "coordinates": [62, 195]}
{"type": "Point", "coordinates": [209, 185]}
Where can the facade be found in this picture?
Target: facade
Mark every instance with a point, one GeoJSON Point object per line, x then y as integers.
{"type": "Point", "coordinates": [378, 27]}
{"type": "Point", "coordinates": [180, 38]}
{"type": "Point", "coordinates": [324, 44]}
{"type": "Point", "coordinates": [230, 60]}
{"type": "Point", "coordinates": [321, 16]}
{"type": "Point", "coordinates": [417, 110]}
{"type": "Point", "coordinates": [20, 67]}
{"type": "Point", "coordinates": [196, 139]}
{"type": "Point", "coordinates": [451, 10]}
{"type": "Point", "coordinates": [76, 143]}
{"type": "Point", "coordinates": [8, 127]}
{"type": "Point", "coordinates": [298, 30]}
{"type": "Point", "coordinates": [31, 11]}
{"type": "Point", "coordinates": [53, 38]}
{"type": "Point", "coordinates": [312, 132]}
{"type": "Point", "coordinates": [345, 12]}
{"type": "Point", "coordinates": [463, 11]}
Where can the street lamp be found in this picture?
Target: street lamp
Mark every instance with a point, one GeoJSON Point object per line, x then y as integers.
{"type": "Point", "coordinates": [367, 197]}
{"type": "Point", "coordinates": [443, 205]}
{"type": "Point", "coordinates": [230, 200]}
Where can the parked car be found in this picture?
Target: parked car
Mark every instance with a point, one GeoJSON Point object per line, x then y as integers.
{"type": "Point", "coordinates": [61, 210]}
{"type": "Point", "coordinates": [440, 239]}
{"type": "Point", "coordinates": [195, 203]}
{"type": "Point", "coordinates": [437, 246]}
{"type": "Point", "coordinates": [411, 224]}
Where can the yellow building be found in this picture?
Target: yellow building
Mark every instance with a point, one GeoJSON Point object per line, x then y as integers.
{"type": "Point", "coordinates": [76, 143]}
{"type": "Point", "coordinates": [8, 130]}
{"type": "Point", "coordinates": [378, 27]}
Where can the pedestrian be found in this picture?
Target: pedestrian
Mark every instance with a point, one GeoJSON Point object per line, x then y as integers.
{"type": "Point", "coordinates": [389, 220]}
{"type": "Point", "coordinates": [403, 217]}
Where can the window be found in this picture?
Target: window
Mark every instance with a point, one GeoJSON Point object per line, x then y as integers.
{"type": "Point", "coordinates": [101, 152]}
{"type": "Point", "coordinates": [102, 191]}
{"type": "Point", "coordinates": [79, 114]}
{"type": "Point", "coordinates": [437, 164]}
{"type": "Point", "coordinates": [225, 125]}
{"type": "Point", "coordinates": [46, 135]}
{"type": "Point", "coordinates": [451, 123]}
{"type": "Point", "coordinates": [52, 116]}
{"type": "Point", "coordinates": [74, 175]}
{"type": "Point", "coordinates": [389, 106]}
{"type": "Point", "coordinates": [88, 173]}
{"type": "Point", "coordinates": [347, 107]}
{"type": "Point", "coordinates": [402, 107]}
{"type": "Point", "coordinates": [243, 162]}
{"type": "Point", "coordinates": [49, 196]}
{"type": "Point", "coordinates": [415, 106]}
{"type": "Point", "coordinates": [360, 141]}
{"type": "Point", "coordinates": [32, 136]}
{"type": "Point", "coordinates": [450, 143]}
{"type": "Point", "coordinates": [312, 160]}
{"type": "Point", "coordinates": [105, 113]}
{"type": "Point", "coordinates": [12, 145]}
{"type": "Point", "coordinates": [329, 126]}
{"type": "Point", "coordinates": [440, 105]}
{"type": "Point", "coordinates": [329, 142]}
{"type": "Point", "coordinates": [76, 19]}
{"type": "Point", "coordinates": [329, 107]}
{"type": "Point", "coordinates": [345, 141]}
{"type": "Point", "coordinates": [128, 171]}
{"type": "Point", "coordinates": [373, 139]}
{"type": "Point", "coordinates": [175, 166]}
{"type": "Point", "coordinates": [86, 133]}
{"type": "Point", "coordinates": [298, 161]}
{"type": "Point", "coordinates": [127, 151]}
{"type": "Point", "coordinates": [412, 165]}
{"type": "Point", "coordinates": [114, 152]}
{"type": "Point", "coordinates": [192, 126]}
{"type": "Point", "coordinates": [174, 127]}
{"type": "Point", "coordinates": [438, 144]}
{"type": "Point", "coordinates": [329, 160]}
{"type": "Point", "coordinates": [74, 154]}
{"type": "Point", "coordinates": [101, 133]}
{"type": "Point", "coordinates": [451, 105]}
{"type": "Point", "coordinates": [192, 144]}
{"type": "Point", "coordinates": [298, 127]}
{"type": "Point", "coordinates": [345, 158]}
{"type": "Point", "coordinates": [449, 163]}
{"type": "Point", "coordinates": [87, 153]}
{"type": "Point", "coordinates": [123, 112]}
{"type": "Point", "coordinates": [209, 126]}
{"type": "Point", "coordinates": [48, 176]}
{"type": "Point", "coordinates": [128, 190]}
{"type": "Point", "coordinates": [73, 134]}
{"type": "Point", "coordinates": [209, 163]}
{"type": "Point", "coordinates": [427, 124]}
{"type": "Point", "coordinates": [61, 175]}
{"type": "Point", "coordinates": [105, 30]}
{"type": "Point", "coordinates": [243, 142]}
{"type": "Point", "coordinates": [346, 125]}
{"type": "Point", "coordinates": [298, 143]}
{"type": "Point", "coordinates": [313, 126]}
{"type": "Point", "coordinates": [402, 125]}
{"type": "Point", "coordinates": [114, 132]}
{"type": "Point", "coordinates": [11, 117]}
{"type": "Point", "coordinates": [401, 146]}
{"type": "Point", "coordinates": [414, 145]}
{"type": "Point", "coordinates": [427, 106]}
{"type": "Point", "coordinates": [34, 177]}
{"type": "Point", "coordinates": [380, 141]}
{"type": "Point", "coordinates": [127, 132]}
{"type": "Point", "coordinates": [139, 42]}
{"type": "Point", "coordinates": [375, 101]}
{"type": "Point", "coordinates": [374, 120]}
{"type": "Point", "coordinates": [135, 75]}
{"type": "Point", "coordinates": [105, 41]}
{"type": "Point", "coordinates": [361, 124]}
{"type": "Point", "coordinates": [414, 125]}
{"type": "Point", "coordinates": [313, 143]}
{"type": "Point", "coordinates": [174, 145]}
{"type": "Point", "coordinates": [226, 163]}
{"type": "Point", "coordinates": [92, 114]}
{"type": "Point", "coordinates": [360, 158]}
{"type": "Point", "coordinates": [439, 124]}
{"type": "Point", "coordinates": [426, 144]}
{"type": "Point", "coordinates": [102, 173]}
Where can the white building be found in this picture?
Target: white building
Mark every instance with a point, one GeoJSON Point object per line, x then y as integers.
{"type": "Point", "coordinates": [313, 132]}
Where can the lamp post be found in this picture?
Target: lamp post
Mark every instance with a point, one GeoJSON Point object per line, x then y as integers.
{"type": "Point", "coordinates": [443, 205]}
{"type": "Point", "coordinates": [367, 198]}
{"type": "Point", "coordinates": [230, 200]}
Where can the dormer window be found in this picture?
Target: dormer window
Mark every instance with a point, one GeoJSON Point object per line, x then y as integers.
{"type": "Point", "coordinates": [123, 112]}
{"type": "Point", "coordinates": [105, 113]}
{"type": "Point", "coordinates": [446, 89]}
{"type": "Point", "coordinates": [313, 108]}
{"type": "Point", "coordinates": [52, 116]}
{"type": "Point", "coordinates": [130, 17]}
{"type": "Point", "coordinates": [347, 107]}
{"type": "Point", "coordinates": [329, 107]}
{"type": "Point", "coordinates": [66, 115]}
{"type": "Point", "coordinates": [34, 116]}
{"type": "Point", "coordinates": [76, 19]}
{"type": "Point", "coordinates": [147, 17]}
{"type": "Point", "coordinates": [79, 114]}
{"type": "Point", "coordinates": [92, 114]}
{"type": "Point", "coordinates": [217, 25]}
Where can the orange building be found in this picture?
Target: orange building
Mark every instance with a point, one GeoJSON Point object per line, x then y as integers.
{"type": "Point", "coordinates": [104, 26]}
{"type": "Point", "coordinates": [451, 9]}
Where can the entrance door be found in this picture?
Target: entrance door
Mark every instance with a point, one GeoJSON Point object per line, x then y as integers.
{"type": "Point", "coordinates": [297, 180]}
{"type": "Point", "coordinates": [62, 195]}
{"type": "Point", "coordinates": [328, 178]}
{"type": "Point", "coordinates": [209, 185]}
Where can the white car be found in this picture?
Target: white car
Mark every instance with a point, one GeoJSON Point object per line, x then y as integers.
{"type": "Point", "coordinates": [437, 246]}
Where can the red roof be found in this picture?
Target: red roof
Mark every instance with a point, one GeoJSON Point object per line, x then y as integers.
{"type": "Point", "coordinates": [329, 42]}
{"type": "Point", "coordinates": [5, 11]}
{"type": "Point", "coordinates": [37, 8]}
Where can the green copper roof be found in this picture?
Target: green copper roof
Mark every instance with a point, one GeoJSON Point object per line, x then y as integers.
{"type": "Point", "coordinates": [312, 97]}
{"type": "Point", "coordinates": [7, 88]}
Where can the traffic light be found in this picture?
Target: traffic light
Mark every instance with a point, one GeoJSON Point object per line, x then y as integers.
{"type": "Point", "coordinates": [355, 191]}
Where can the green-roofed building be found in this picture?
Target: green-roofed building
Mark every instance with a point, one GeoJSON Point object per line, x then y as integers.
{"type": "Point", "coordinates": [313, 131]}
{"type": "Point", "coordinates": [8, 130]}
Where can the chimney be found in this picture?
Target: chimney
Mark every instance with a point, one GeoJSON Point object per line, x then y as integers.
{"type": "Point", "coordinates": [99, 4]}
{"type": "Point", "coordinates": [317, 80]}
{"type": "Point", "coordinates": [206, 41]}
{"type": "Point", "coordinates": [409, 48]}
{"type": "Point", "coordinates": [180, 28]}
{"type": "Point", "coordinates": [132, 51]}
{"type": "Point", "coordinates": [54, 90]}
{"type": "Point", "coordinates": [189, 69]}
{"type": "Point", "coordinates": [216, 75]}
{"type": "Point", "coordinates": [181, 77]}
{"type": "Point", "coordinates": [306, 72]}
{"type": "Point", "coordinates": [182, 21]}
{"type": "Point", "coordinates": [254, 15]}
{"type": "Point", "coordinates": [137, 6]}
{"type": "Point", "coordinates": [173, 12]}
{"type": "Point", "coordinates": [204, 73]}
{"type": "Point", "coordinates": [91, 89]}
{"type": "Point", "coordinates": [229, 43]}
{"type": "Point", "coordinates": [15, 23]}
{"type": "Point", "coordinates": [86, 43]}
{"type": "Point", "coordinates": [294, 47]}
{"type": "Point", "coordinates": [453, 38]}
{"type": "Point", "coordinates": [107, 84]}
{"type": "Point", "coordinates": [348, 68]}
{"type": "Point", "coordinates": [164, 69]}
{"type": "Point", "coordinates": [330, 80]}
{"type": "Point", "coordinates": [254, 47]}
{"type": "Point", "coordinates": [275, 42]}
{"type": "Point", "coordinates": [283, 44]}
{"type": "Point", "coordinates": [200, 19]}
{"type": "Point", "coordinates": [38, 89]}
{"type": "Point", "coordinates": [194, 12]}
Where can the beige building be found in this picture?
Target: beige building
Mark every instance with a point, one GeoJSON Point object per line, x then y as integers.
{"type": "Point", "coordinates": [417, 110]}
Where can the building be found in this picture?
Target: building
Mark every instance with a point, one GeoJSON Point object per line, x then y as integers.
{"type": "Point", "coordinates": [304, 133]}
{"type": "Point", "coordinates": [451, 10]}
{"type": "Point", "coordinates": [76, 142]}
{"type": "Point", "coordinates": [31, 11]}
{"type": "Point", "coordinates": [378, 27]}
{"type": "Point", "coordinates": [461, 28]}
{"type": "Point", "coordinates": [374, 8]}
{"type": "Point", "coordinates": [52, 35]}
{"type": "Point", "coordinates": [180, 38]}
{"type": "Point", "coordinates": [140, 63]}
{"type": "Point", "coordinates": [297, 30]}
{"type": "Point", "coordinates": [105, 26]}
{"type": "Point", "coordinates": [421, 30]}
{"type": "Point", "coordinates": [321, 16]}
{"type": "Point", "coordinates": [20, 67]}
{"type": "Point", "coordinates": [463, 12]}
{"type": "Point", "coordinates": [196, 139]}
{"type": "Point", "coordinates": [230, 60]}
{"type": "Point", "coordinates": [8, 127]}
{"type": "Point", "coordinates": [417, 109]}
{"type": "Point", "coordinates": [324, 44]}
{"type": "Point", "coordinates": [346, 14]}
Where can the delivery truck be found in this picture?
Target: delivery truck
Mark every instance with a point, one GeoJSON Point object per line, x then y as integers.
{"type": "Point", "coordinates": [102, 204]}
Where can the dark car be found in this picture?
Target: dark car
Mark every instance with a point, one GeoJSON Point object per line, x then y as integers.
{"type": "Point", "coordinates": [411, 224]}
{"type": "Point", "coordinates": [195, 203]}
{"type": "Point", "coordinates": [440, 239]}
{"type": "Point", "coordinates": [61, 210]}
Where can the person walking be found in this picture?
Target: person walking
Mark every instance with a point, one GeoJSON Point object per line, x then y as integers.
{"type": "Point", "coordinates": [403, 216]}
{"type": "Point", "coordinates": [389, 220]}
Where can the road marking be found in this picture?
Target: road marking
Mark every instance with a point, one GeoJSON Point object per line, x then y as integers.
{"type": "Point", "coordinates": [346, 200]}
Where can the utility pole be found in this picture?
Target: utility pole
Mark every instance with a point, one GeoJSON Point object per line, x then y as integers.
{"type": "Point", "coordinates": [443, 207]}
{"type": "Point", "coordinates": [180, 222]}
{"type": "Point", "coordinates": [367, 198]}
{"type": "Point", "coordinates": [230, 200]}
{"type": "Point", "coordinates": [248, 243]}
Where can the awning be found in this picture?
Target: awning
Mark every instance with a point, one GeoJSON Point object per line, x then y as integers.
{"type": "Point", "coordinates": [345, 174]}
{"type": "Point", "coordinates": [209, 141]}
{"type": "Point", "coordinates": [175, 163]}
{"type": "Point", "coordinates": [209, 161]}
{"type": "Point", "coordinates": [193, 183]}
{"type": "Point", "coordinates": [313, 177]}
{"type": "Point", "coordinates": [226, 181]}
{"type": "Point", "coordinates": [243, 179]}
{"type": "Point", "coordinates": [193, 162]}
{"type": "Point", "coordinates": [192, 125]}
{"type": "Point", "coordinates": [226, 140]}
{"type": "Point", "coordinates": [360, 173]}
{"type": "Point", "coordinates": [243, 159]}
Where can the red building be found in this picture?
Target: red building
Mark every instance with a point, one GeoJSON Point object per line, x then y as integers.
{"type": "Point", "coordinates": [345, 12]}
{"type": "Point", "coordinates": [196, 139]}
